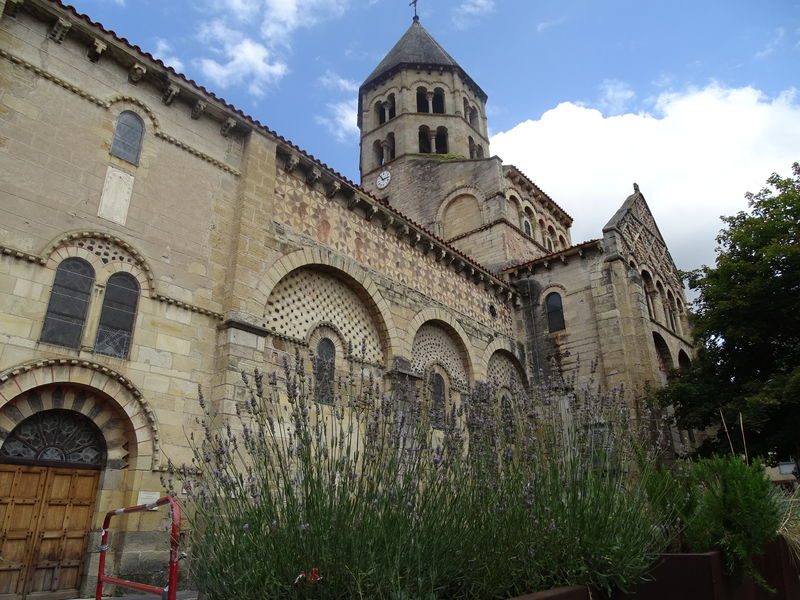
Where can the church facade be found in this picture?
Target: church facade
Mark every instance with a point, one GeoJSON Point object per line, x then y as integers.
{"type": "Point", "coordinates": [154, 238]}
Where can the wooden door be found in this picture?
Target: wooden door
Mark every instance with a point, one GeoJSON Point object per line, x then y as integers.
{"type": "Point", "coordinates": [48, 511]}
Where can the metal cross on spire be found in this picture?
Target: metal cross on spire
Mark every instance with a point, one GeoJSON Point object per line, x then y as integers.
{"type": "Point", "coordinates": [414, 4]}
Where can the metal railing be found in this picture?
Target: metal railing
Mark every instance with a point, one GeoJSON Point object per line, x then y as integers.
{"type": "Point", "coordinates": [166, 593]}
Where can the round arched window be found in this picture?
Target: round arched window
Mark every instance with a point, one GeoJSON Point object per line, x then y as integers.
{"type": "Point", "coordinates": [56, 437]}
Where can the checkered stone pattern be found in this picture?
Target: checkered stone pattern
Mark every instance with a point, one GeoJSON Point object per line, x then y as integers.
{"type": "Point", "coordinates": [434, 345]}
{"type": "Point", "coordinates": [310, 214]}
{"type": "Point", "coordinates": [308, 297]}
{"type": "Point", "coordinates": [505, 372]}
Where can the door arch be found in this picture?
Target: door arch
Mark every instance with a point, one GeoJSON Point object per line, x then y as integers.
{"type": "Point", "coordinates": [50, 467]}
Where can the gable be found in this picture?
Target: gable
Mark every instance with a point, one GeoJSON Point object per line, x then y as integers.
{"type": "Point", "coordinates": [633, 233]}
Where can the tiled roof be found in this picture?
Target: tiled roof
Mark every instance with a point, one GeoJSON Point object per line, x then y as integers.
{"type": "Point", "coordinates": [538, 189]}
{"type": "Point", "coordinates": [417, 48]}
{"type": "Point", "coordinates": [574, 249]}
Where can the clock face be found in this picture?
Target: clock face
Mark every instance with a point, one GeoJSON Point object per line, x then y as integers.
{"type": "Point", "coordinates": [383, 179]}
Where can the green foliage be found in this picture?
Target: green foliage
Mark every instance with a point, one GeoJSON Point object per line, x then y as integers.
{"type": "Point", "coordinates": [505, 500]}
{"type": "Point", "coordinates": [747, 327]}
{"type": "Point", "coordinates": [722, 503]}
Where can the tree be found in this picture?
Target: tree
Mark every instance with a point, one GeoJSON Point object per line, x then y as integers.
{"type": "Point", "coordinates": [747, 329]}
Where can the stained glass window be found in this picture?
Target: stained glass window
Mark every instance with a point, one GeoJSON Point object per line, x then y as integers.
{"type": "Point", "coordinates": [128, 134]}
{"type": "Point", "coordinates": [69, 301]}
{"type": "Point", "coordinates": [325, 363]}
{"type": "Point", "coordinates": [115, 329]}
{"type": "Point", "coordinates": [56, 436]}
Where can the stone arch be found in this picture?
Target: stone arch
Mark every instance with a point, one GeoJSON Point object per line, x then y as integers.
{"type": "Point", "coordinates": [504, 362]}
{"type": "Point", "coordinates": [470, 190]}
{"type": "Point", "coordinates": [106, 253]}
{"type": "Point", "coordinates": [663, 355]}
{"type": "Point", "coordinates": [444, 318]}
{"type": "Point", "coordinates": [136, 102]}
{"type": "Point", "coordinates": [684, 362]}
{"type": "Point", "coordinates": [503, 345]}
{"type": "Point", "coordinates": [437, 344]}
{"type": "Point", "coordinates": [310, 295]}
{"type": "Point", "coordinates": [320, 257]}
{"type": "Point", "coordinates": [460, 215]}
{"type": "Point", "coordinates": [116, 391]}
{"type": "Point", "coordinates": [515, 212]}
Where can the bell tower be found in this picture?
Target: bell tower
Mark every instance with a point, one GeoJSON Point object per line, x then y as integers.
{"type": "Point", "coordinates": [418, 104]}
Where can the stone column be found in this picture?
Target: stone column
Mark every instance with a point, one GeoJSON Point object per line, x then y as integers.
{"type": "Point", "coordinates": [432, 134]}
{"type": "Point", "coordinates": [430, 101]}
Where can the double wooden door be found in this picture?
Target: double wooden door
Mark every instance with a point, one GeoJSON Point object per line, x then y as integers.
{"type": "Point", "coordinates": [46, 515]}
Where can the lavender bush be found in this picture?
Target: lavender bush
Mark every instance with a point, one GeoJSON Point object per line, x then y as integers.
{"type": "Point", "coordinates": [364, 499]}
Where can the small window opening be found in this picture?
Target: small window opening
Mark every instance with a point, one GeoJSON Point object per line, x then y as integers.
{"type": "Point", "coordinates": [377, 151]}
{"type": "Point", "coordinates": [424, 140]}
{"type": "Point", "coordinates": [422, 100]}
{"type": "Point", "coordinates": [437, 401]}
{"type": "Point", "coordinates": [438, 101]}
{"type": "Point", "coordinates": [441, 140]}
{"type": "Point", "coordinates": [555, 312]}
{"type": "Point", "coordinates": [325, 362]}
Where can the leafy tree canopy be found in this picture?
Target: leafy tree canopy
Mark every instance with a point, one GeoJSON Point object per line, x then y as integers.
{"type": "Point", "coordinates": [747, 328]}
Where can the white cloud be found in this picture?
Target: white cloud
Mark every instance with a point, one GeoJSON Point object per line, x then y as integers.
{"type": "Point", "coordinates": [615, 96]}
{"type": "Point", "coordinates": [772, 45]}
{"type": "Point", "coordinates": [248, 40]}
{"type": "Point", "coordinates": [341, 120]}
{"type": "Point", "coordinates": [545, 25]}
{"type": "Point", "coordinates": [242, 10]}
{"type": "Point", "coordinates": [333, 81]}
{"type": "Point", "coordinates": [469, 11]}
{"type": "Point", "coordinates": [694, 154]}
{"type": "Point", "coordinates": [242, 61]}
{"type": "Point", "coordinates": [163, 51]}
{"type": "Point", "coordinates": [281, 18]}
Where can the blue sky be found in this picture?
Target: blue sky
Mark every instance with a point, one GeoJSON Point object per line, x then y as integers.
{"type": "Point", "coordinates": [696, 100]}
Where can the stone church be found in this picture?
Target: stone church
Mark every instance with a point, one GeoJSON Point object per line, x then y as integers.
{"type": "Point", "coordinates": [154, 238]}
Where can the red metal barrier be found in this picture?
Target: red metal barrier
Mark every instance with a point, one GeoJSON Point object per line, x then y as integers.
{"type": "Point", "coordinates": [166, 593]}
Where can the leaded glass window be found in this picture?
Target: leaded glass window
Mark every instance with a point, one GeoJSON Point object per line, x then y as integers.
{"type": "Point", "coordinates": [56, 436]}
{"type": "Point", "coordinates": [555, 312]}
{"type": "Point", "coordinates": [325, 363]}
{"type": "Point", "coordinates": [128, 134]}
{"type": "Point", "coordinates": [115, 329]}
{"type": "Point", "coordinates": [437, 401]}
{"type": "Point", "coordinates": [69, 301]}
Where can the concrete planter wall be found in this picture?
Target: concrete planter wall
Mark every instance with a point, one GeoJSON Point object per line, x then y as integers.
{"type": "Point", "coordinates": [564, 593]}
{"type": "Point", "coordinates": [702, 577]}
